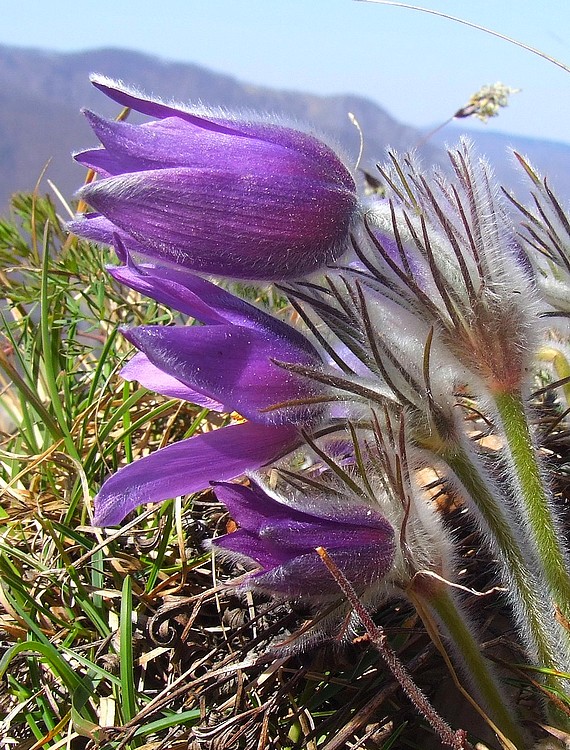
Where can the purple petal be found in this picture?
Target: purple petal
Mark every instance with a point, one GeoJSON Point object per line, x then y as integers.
{"type": "Point", "coordinates": [281, 525]}
{"type": "Point", "coordinates": [144, 372]}
{"type": "Point", "coordinates": [325, 162]}
{"type": "Point", "coordinates": [230, 364]}
{"type": "Point", "coordinates": [107, 163]}
{"type": "Point", "coordinates": [224, 222]}
{"type": "Point", "coordinates": [156, 284]}
{"type": "Point", "coordinates": [247, 547]}
{"type": "Point", "coordinates": [99, 229]}
{"type": "Point", "coordinates": [128, 98]}
{"type": "Point", "coordinates": [305, 535]}
{"type": "Point", "coordinates": [321, 157]}
{"type": "Point", "coordinates": [188, 466]}
{"type": "Point", "coordinates": [306, 575]}
{"type": "Point", "coordinates": [173, 142]}
{"type": "Point", "coordinates": [252, 507]}
{"type": "Point", "coordinates": [207, 302]}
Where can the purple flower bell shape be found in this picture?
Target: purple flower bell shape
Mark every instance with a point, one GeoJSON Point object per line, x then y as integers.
{"type": "Point", "coordinates": [229, 362]}
{"type": "Point", "coordinates": [280, 541]}
{"type": "Point", "coordinates": [226, 364]}
{"type": "Point", "coordinates": [216, 194]}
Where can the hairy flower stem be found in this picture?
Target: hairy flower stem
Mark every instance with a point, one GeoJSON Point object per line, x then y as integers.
{"type": "Point", "coordinates": [522, 586]}
{"type": "Point", "coordinates": [442, 614]}
{"type": "Point", "coordinates": [545, 637]}
{"type": "Point", "coordinates": [531, 494]}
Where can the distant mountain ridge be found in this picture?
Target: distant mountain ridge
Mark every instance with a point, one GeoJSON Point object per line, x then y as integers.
{"type": "Point", "coordinates": [41, 93]}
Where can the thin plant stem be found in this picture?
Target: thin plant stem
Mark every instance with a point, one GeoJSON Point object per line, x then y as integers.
{"type": "Point", "coordinates": [475, 26]}
{"type": "Point", "coordinates": [453, 738]}
{"type": "Point", "coordinates": [51, 370]}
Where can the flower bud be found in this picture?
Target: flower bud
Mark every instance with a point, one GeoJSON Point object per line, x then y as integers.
{"type": "Point", "coordinates": [281, 541]}
{"type": "Point", "coordinates": [217, 195]}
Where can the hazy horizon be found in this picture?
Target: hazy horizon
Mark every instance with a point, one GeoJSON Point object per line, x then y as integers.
{"type": "Point", "coordinates": [418, 67]}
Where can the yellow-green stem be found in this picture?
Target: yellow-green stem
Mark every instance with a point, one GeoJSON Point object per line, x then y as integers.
{"type": "Point", "coordinates": [530, 492]}
{"type": "Point", "coordinates": [434, 600]}
{"type": "Point", "coordinates": [515, 571]}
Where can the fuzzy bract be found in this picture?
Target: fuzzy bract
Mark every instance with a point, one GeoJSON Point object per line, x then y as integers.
{"type": "Point", "coordinates": [447, 252]}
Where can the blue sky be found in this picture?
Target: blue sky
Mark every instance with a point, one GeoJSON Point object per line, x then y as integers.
{"type": "Point", "coordinates": [419, 67]}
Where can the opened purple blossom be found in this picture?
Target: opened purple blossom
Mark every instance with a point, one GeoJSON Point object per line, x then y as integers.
{"type": "Point", "coordinates": [226, 364]}
{"type": "Point", "coordinates": [188, 466]}
{"type": "Point", "coordinates": [217, 195]}
{"type": "Point", "coordinates": [281, 540]}
{"type": "Point", "coordinates": [229, 360]}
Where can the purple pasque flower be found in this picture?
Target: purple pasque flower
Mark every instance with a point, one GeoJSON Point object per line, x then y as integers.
{"type": "Point", "coordinates": [226, 364]}
{"type": "Point", "coordinates": [189, 465]}
{"type": "Point", "coordinates": [280, 538]}
{"type": "Point", "coordinates": [216, 194]}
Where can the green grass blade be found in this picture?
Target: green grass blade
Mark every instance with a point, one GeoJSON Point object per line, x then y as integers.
{"type": "Point", "coordinates": [128, 690]}
{"type": "Point", "coordinates": [171, 720]}
{"type": "Point", "coordinates": [51, 370]}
